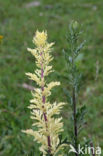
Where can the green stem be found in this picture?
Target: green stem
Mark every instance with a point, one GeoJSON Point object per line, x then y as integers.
{"type": "Point", "coordinates": [75, 121]}
{"type": "Point", "coordinates": [74, 98]}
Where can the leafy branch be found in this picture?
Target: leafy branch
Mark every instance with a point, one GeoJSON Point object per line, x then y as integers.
{"type": "Point", "coordinates": [74, 78]}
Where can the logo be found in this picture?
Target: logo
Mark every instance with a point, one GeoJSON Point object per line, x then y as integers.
{"type": "Point", "coordinates": [85, 150]}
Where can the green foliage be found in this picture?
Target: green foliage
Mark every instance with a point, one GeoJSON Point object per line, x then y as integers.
{"type": "Point", "coordinates": [74, 80]}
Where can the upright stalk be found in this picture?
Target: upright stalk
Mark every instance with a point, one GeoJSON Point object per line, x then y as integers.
{"type": "Point", "coordinates": [72, 57]}
{"type": "Point", "coordinates": [75, 119]}
{"type": "Point", "coordinates": [73, 45]}
{"type": "Point", "coordinates": [73, 70]}
{"type": "Point", "coordinates": [44, 113]}
{"type": "Point", "coordinates": [47, 127]}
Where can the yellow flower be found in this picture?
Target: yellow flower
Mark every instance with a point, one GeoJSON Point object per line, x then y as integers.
{"type": "Point", "coordinates": [1, 37]}
{"type": "Point", "coordinates": [42, 111]}
{"type": "Point", "coordinates": [40, 39]}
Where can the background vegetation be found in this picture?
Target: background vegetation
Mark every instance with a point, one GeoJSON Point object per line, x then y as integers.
{"type": "Point", "coordinates": [19, 20]}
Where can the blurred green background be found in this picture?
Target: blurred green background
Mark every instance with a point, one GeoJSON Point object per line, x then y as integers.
{"type": "Point", "coordinates": [19, 19]}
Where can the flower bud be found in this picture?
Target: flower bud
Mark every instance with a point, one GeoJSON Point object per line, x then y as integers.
{"type": "Point", "coordinates": [75, 25]}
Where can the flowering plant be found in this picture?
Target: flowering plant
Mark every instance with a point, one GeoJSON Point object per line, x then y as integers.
{"type": "Point", "coordinates": [42, 112]}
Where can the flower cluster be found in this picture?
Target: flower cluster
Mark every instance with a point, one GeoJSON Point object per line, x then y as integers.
{"type": "Point", "coordinates": [42, 111]}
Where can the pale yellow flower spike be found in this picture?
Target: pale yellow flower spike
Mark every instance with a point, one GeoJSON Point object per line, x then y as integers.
{"type": "Point", "coordinates": [40, 39]}
{"type": "Point", "coordinates": [42, 112]}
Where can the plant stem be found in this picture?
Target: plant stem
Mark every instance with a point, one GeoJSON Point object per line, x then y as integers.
{"type": "Point", "coordinates": [75, 120]}
{"type": "Point", "coordinates": [74, 97]}
{"type": "Point", "coordinates": [44, 113]}
{"type": "Point", "coordinates": [91, 144]}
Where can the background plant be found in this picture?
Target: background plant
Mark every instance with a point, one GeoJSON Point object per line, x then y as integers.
{"type": "Point", "coordinates": [73, 58]}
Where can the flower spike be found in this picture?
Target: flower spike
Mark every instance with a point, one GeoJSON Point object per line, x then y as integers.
{"type": "Point", "coordinates": [42, 112]}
